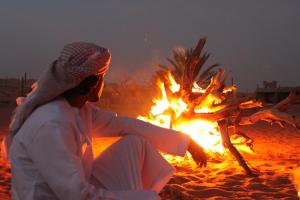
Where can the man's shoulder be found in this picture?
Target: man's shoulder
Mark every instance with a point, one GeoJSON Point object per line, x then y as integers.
{"type": "Point", "coordinates": [53, 110]}
{"type": "Point", "coordinates": [48, 115]}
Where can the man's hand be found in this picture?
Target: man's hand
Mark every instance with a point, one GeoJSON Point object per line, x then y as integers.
{"type": "Point", "coordinates": [198, 154]}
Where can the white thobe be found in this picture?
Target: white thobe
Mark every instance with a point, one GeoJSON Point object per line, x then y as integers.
{"type": "Point", "coordinates": [51, 155]}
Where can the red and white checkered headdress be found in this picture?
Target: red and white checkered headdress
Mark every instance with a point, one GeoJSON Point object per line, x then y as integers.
{"type": "Point", "coordinates": [84, 59]}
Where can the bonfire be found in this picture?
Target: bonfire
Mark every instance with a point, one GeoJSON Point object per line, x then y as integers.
{"type": "Point", "coordinates": [209, 111]}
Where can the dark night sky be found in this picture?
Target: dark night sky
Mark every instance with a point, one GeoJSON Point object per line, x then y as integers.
{"type": "Point", "coordinates": [252, 40]}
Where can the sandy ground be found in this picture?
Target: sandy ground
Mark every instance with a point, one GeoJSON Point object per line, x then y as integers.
{"type": "Point", "coordinates": [277, 155]}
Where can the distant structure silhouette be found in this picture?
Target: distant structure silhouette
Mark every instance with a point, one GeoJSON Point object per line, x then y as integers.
{"type": "Point", "coordinates": [271, 92]}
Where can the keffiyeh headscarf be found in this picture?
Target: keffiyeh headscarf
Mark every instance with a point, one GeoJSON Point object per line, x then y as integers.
{"type": "Point", "coordinates": [76, 62]}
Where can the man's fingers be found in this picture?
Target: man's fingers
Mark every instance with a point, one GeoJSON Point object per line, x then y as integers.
{"type": "Point", "coordinates": [201, 164]}
{"type": "Point", "coordinates": [200, 159]}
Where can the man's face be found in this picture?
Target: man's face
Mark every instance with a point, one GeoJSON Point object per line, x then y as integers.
{"type": "Point", "coordinates": [96, 91]}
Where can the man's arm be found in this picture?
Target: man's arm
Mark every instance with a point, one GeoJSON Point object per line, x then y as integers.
{"type": "Point", "coordinates": [109, 124]}
{"type": "Point", "coordinates": [198, 153]}
{"type": "Point", "coordinates": [166, 140]}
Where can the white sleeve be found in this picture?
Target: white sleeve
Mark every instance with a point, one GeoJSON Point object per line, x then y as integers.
{"type": "Point", "coordinates": [54, 152]}
{"type": "Point", "coordinates": [166, 140]}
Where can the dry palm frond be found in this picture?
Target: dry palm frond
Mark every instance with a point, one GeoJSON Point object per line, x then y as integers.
{"type": "Point", "coordinates": [181, 58]}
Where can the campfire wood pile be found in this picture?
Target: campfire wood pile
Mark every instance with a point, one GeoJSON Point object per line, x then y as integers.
{"type": "Point", "coordinates": [217, 103]}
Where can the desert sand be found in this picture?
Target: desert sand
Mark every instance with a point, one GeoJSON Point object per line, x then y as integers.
{"type": "Point", "coordinates": [276, 158]}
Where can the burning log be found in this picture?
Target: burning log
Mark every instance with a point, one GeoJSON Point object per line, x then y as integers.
{"type": "Point", "coordinates": [213, 90]}
{"type": "Point", "coordinates": [223, 125]}
{"type": "Point", "coordinates": [214, 116]}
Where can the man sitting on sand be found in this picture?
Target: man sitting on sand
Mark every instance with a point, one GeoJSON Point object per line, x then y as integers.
{"type": "Point", "coordinates": [50, 140]}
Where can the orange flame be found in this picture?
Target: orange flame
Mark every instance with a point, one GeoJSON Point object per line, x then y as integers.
{"type": "Point", "coordinates": [296, 180]}
{"type": "Point", "coordinates": [166, 113]}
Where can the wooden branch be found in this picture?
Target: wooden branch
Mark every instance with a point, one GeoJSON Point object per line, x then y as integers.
{"type": "Point", "coordinates": [215, 116]}
{"type": "Point", "coordinates": [187, 78]}
{"type": "Point", "coordinates": [222, 111]}
{"type": "Point", "coordinates": [276, 113]}
{"type": "Point", "coordinates": [271, 115]}
{"type": "Point", "coordinates": [233, 109]}
{"type": "Point", "coordinates": [227, 144]}
{"type": "Point", "coordinates": [248, 141]}
{"type": "Point", "coordinates": [230, 88]}
{"type": "Point", "coordinates": [215, 88]}
{"type": "Point", "coordinates": [202, 98]}
{"type": "Point", "coordinates": [291, 99]}
{"type": "Point", "coordinates": [250, 104]}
